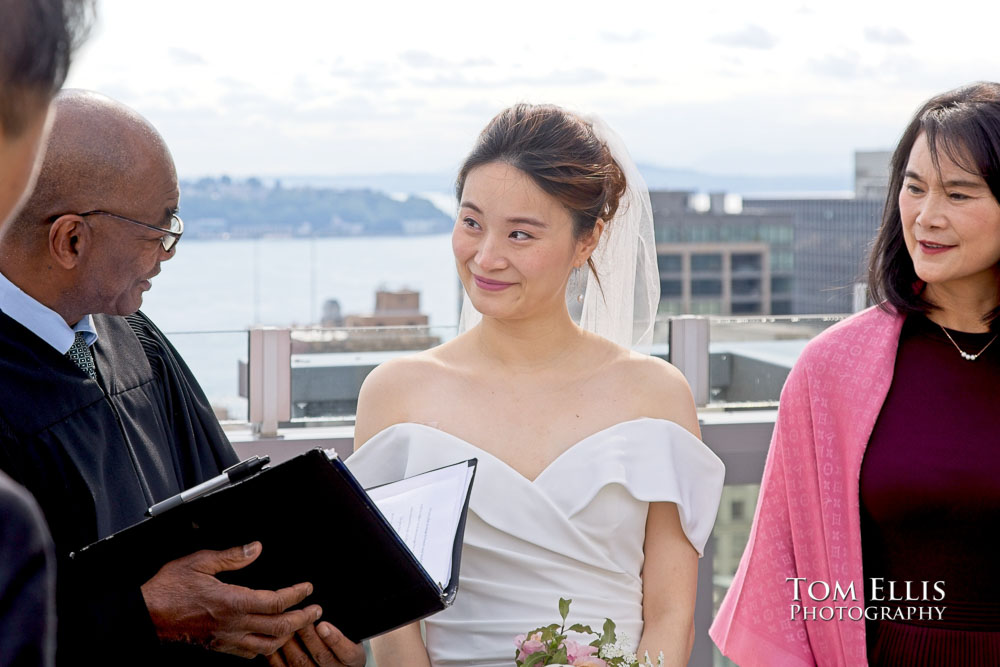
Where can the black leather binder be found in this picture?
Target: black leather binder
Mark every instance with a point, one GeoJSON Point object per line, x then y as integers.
{"type": "Point", "coordinates": [315, 523]}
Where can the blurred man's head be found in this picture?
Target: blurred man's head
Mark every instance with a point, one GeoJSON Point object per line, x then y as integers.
{"type": "Point", "coordinates": [37, 38]}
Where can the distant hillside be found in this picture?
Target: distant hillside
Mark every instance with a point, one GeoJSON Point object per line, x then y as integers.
{"type": "Point", "coordinates": [383, 204]}
{"type": "Point", "coordinates": [657, 178]}
{"type": "Point", "coordinates": [663, 178]}
{"type": "Point", "coordinates": [223, 207]}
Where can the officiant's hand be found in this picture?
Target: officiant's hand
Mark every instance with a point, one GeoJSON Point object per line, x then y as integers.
{"type": "Point", "coordinates": [188, 604]}
{"type": "Point", "coordinates": [322, 645]}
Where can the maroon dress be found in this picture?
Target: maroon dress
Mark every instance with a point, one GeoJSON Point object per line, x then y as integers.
{"type": "Point", "coordinates": [930, 502]}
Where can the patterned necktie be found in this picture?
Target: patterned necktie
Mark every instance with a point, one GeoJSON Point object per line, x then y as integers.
{"type": "Point", "coordinates": [79, 354]}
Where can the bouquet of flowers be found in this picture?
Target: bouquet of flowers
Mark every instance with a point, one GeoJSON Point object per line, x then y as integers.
{"type": "Point", "coordinates": [550, 645]}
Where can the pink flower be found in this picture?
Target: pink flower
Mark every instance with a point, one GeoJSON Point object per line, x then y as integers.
{"type": "Point", "coordinates": [529, 645]}
{"type": "Point", "coordinates": [576, 651]}
{"type": "Point", "coordinates": [582, 655]}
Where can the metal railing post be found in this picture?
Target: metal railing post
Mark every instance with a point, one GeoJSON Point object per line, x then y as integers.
{"type": "Point", "coordinates": [702, 651]}
{"type": "Point", "coordinates": [689, 353]}
{"type": "Point", "coordinates": [270, 379]}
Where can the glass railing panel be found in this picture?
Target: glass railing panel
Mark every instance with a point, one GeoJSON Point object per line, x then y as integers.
{"type": "Point", "coordinates": [661, 329]}
{"type": "Point", "coordinates": [730, 535]}
{"type": "Point", "coordinates": [329, 365]}
{"type": "Point", "coordinates": [218, 361]}
{"type": "Point", "coordinates": [750, 357]}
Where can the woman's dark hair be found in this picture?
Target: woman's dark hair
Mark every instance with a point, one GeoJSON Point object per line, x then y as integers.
{"type": "Point", "coordinates": [37, 40]}
{"type": "Point", "coordinates": [965, 124]}
{"type": "Point", "coordinates": [562, 155]}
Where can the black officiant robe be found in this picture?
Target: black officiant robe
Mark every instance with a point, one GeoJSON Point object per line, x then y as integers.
{"type": "Point", "coordinates": [96, 454]}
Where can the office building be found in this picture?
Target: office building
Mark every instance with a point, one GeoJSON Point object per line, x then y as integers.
{"type": "Point", "coordinates": [720, 263]}
{"type": "Point", "coordinates": [833, 236]}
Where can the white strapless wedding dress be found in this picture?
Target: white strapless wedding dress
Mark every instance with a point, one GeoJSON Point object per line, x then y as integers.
{"type": "Point", "coordinates": [576, 531]}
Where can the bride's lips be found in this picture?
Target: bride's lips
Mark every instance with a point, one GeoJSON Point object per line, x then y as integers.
{"type": "Point", "coordinates": [490, 285]}
{"type": "Point", "coordinates": [929, 248]}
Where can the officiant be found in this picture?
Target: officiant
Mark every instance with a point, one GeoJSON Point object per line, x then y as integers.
{"type": "Point", "coordinates": [100, 417]}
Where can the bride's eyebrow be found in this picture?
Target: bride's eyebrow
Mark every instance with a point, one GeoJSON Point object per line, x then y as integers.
{"type": "Point", "coordinates": [516, 220]}
{"type": "Point", "coordinates": [531, 222]}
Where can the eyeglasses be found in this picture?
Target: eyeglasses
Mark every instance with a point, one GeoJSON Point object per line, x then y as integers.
{"type": "Point", "coordinates": [170, 236]}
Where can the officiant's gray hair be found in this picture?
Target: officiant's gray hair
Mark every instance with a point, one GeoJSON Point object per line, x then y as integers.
{"type": "Point", "coordinates": [563, 156]}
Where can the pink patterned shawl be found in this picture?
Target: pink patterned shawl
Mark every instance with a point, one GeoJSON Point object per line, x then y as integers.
{"type": "Point", "coordinates": [808, 522]}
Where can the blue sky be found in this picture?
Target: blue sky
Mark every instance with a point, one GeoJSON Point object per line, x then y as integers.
{"type": "Point", "coordinates": [325, 88]}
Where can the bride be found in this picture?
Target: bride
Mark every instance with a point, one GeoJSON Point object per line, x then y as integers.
{"type": "Point", "coordinates": [593, 483]}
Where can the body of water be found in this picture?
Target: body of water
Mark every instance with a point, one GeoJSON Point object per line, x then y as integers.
{"type": "Point", "coordinates": [212, 291]}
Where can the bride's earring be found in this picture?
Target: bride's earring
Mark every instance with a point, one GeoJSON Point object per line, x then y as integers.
{"type": "Point", "coordinates": [576, 276]}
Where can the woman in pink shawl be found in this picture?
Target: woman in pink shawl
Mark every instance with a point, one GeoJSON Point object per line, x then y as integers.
{"type": "Point", "coordinates": [875, 535]}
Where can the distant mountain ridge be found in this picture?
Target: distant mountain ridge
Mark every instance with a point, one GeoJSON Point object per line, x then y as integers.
{"type": "Point", "coordinates": [229, 208]}
{"type": "Point", "coordinates": [402, 203]}
{"type": "Point", "coordinates": [657, 178]}
{"type": "Point", "coordinates": [665, 178]}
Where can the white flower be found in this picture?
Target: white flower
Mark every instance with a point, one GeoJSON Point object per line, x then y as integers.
{"type": "Point", "coordinates": [646, 662]}
{"type": "Point", "coordinates": [609, 651]}
{"type": "Point", "coordinates": [618, 649]}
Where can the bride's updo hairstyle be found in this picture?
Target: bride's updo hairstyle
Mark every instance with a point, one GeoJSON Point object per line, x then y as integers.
{"type": "Point", "coordinates": [562, 155]}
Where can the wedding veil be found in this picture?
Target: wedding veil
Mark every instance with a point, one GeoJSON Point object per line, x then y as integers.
{"type": "Point", "coordinates": [622, 308]}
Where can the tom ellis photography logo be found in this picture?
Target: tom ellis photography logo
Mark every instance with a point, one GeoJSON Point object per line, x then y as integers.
{"type": "Point", "coordinates": [819, 600]}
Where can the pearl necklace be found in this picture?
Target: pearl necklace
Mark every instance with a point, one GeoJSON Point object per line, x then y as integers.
{"type": "Point", "coordinates": [966, 355]}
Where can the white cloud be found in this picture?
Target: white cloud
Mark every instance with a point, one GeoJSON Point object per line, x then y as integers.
{"type": "Point", "coordinates": [749, 37]}
{"type": "Point", "coordinates": [310, 86]}
{"type": "Point", "coordinates": [842, 66]}
{"type": "Point", "coordinates": [891, 36]}
{"type": "Point", "coordinates": [184, 57]}
{"type": "Point", "coordinates": [630, 37]}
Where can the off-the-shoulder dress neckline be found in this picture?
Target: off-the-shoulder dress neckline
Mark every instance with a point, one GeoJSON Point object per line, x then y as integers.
{"type": "Point", "coordinates": [576, 446]}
